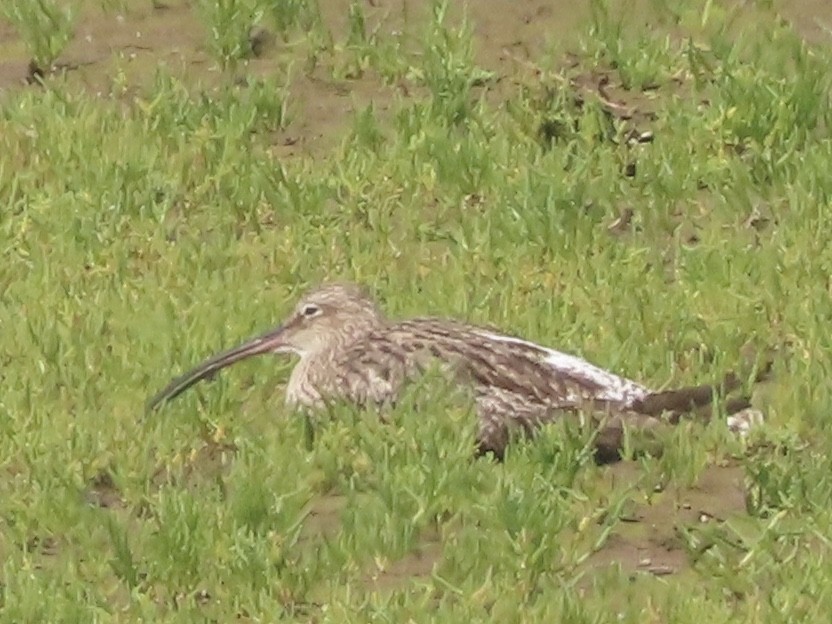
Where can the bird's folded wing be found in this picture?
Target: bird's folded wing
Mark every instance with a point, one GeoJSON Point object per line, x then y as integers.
{"type": "Point", "coordinates": [516, 367]}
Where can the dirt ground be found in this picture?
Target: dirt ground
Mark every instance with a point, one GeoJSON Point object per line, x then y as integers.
{"type": "Point", "coordinates": [510, 37]}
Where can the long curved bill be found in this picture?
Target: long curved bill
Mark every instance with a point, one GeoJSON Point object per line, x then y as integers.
{"type": "Point", "coordinates": [270, 342]}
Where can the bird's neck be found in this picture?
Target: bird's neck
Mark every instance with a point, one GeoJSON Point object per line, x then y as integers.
{"type": "Point", "coordinates": [307, 383]}
{"type": "Point", "coordinates": [317, 371]}
{"type": "Point", "coordinates": [300, 391]}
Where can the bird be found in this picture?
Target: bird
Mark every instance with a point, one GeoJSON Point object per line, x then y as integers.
{"type": "Point", "coordinates": [349, 351]}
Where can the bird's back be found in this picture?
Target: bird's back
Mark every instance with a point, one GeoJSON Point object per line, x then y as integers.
{"type": "Point", "coordinates": [495, 365]}
{"type": "Point", "coordinates": [513, 381]}
{"type": "Point", "coordinates": [501, 363]}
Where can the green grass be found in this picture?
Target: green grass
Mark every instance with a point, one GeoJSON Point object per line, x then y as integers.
{"type": "Point", "coordinates": [45, 27]}
{"type": "Point", "coordinates": [138, 235]}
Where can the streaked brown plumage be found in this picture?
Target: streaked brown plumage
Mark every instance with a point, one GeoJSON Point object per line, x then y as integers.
{"type": "Point", "coordinates": [350, 352]}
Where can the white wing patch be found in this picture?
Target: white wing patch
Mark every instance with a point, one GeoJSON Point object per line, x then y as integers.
{"type": "Point", "coordinates": [745, 420]}
{"type": "Point", "coordinates": [614, 388]}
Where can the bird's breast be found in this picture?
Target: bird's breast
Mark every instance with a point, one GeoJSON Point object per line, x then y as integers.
{"type": "Point", "coordinates": [302, 389]}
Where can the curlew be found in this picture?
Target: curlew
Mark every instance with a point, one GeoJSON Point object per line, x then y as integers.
{"type": "Point", "coordinates": [349, 351]}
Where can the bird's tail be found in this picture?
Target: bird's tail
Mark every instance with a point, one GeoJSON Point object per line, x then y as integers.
{"type": "Point", "coordinates": [692, 399]}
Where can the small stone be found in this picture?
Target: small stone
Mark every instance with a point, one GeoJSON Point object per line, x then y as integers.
{"type": "Point", "coordinates": [261, 40]}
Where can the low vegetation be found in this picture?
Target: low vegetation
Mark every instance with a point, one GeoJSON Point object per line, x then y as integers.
{"type": "Point", "coordinates": [654, 197]}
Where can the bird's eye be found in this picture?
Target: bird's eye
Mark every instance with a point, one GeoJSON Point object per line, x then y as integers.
{"type": "Point", "coordinates": [310, 310]}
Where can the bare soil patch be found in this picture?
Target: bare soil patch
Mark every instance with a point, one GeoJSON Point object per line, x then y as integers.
{"type": "Point", "coordinates": [647, 540]}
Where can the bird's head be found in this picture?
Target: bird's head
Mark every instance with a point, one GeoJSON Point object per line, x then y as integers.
{"type": "Point", "coordinates": [326, 319]}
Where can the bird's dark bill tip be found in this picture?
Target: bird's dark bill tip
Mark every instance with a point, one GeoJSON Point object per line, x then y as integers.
{"type": "Point", "coordinates": [155, 402]}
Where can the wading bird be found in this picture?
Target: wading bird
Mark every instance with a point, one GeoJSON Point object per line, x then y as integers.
{"type": "Point", "coordinates": [349, 351]}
